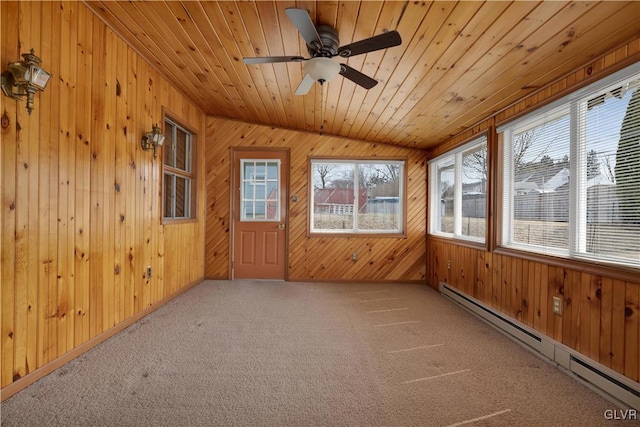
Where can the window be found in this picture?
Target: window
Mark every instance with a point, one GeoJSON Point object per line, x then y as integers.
{"type": "Point", "coordinates": [357, 196]}
{"type": "Point", "coordinates": [571, 175]}
{"type": "Point", "coordinates": [259, 191]}
{"type": "Point", "coordinates": [179, 177]}
{"type": "Point", "coordinates": [458, 194]}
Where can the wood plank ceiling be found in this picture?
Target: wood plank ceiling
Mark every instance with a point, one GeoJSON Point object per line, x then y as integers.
{"type": "Point", "coordinates": [459, 61]}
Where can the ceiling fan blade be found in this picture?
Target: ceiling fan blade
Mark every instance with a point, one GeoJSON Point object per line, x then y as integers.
{"type": "Point", "coordinates": [382, 41]}
{"type": "Point", "coordinates": [357, 77]}
{"type": "Point", "coordinates": [302, 21]}
{"type": "Point", "coordinates": [271, 59]}
{"type": "Point", "coordinates": [305, 85]}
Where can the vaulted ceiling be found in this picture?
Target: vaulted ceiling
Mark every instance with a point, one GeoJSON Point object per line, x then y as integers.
{"type": "Point", "coordinates": [458, 62]}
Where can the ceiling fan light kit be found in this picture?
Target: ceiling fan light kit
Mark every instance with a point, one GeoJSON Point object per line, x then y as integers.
{"type": "Point", "coordinates": [322, 69]}
{"type": "Point", "coordinates": [323, 44]}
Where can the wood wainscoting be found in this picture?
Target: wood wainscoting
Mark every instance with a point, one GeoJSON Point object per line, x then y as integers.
{"type": "Point", "coordinates": [601, 314]}
{"type": "Point", "coordinates": [316, 258]}
{"type": "Point", "coordinates": [81, 206]}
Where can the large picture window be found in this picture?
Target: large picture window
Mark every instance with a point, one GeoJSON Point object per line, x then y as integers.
{"type": "Point", "coordinates": [458, 194]}
{"type": "Point", "coordinates": [364, 196]}
{"type": "Point", "coordinates": [178, 172]}
{"type": "Point", "coordinates": [571, 171]}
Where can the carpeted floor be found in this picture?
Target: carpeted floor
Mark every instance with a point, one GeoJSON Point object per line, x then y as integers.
{"type": "Point", "coordinates": [296, 354]}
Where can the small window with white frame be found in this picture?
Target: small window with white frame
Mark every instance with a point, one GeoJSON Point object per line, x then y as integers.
{"type": "Point", "coordinates": [571, 175]}
{"type": "Point", "coordinates": [458, 192]}
{"type": "Point", "coordinates": [178, 172]}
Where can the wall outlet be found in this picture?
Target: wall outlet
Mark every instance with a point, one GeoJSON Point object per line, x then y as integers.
{"type": "Point", "coordinates": [148, 272]}
{"type": "Point", "coordinates": [354, 256]}
{"type": "Point", "coordinates": [557, 306]}
{"type": "Point", "coordinates": [448, 264]}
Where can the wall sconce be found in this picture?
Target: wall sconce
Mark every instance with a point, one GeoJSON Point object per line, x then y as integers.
{"type": "Point", "coordinates": [153, 140]}
{"type": "Point", "coordinates": [25, 78]}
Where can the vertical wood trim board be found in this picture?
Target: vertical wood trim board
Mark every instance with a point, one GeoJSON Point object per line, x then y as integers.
{"type": "Point", "coordinates": [81, 207]}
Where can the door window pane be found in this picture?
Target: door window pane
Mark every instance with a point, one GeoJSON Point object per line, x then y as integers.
{"type": "Point", "coordinates": [260, 194]}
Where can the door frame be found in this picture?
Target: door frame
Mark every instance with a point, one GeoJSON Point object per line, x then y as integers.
{"type": "Point", "coordinates": [234, 154]}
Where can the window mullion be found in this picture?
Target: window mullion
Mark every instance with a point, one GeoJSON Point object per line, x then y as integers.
{"type": "Point", "coordinates": [356, 194]}
{"type": "Point", "coordinates": [457, 196]}
{"type": "Point", "coordinates": [578, 189]}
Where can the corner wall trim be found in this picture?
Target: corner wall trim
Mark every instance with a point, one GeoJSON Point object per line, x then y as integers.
{"type": "Point", "coordinates": [605, 381]}
{"type": "Point", "coordinates": [60, 361]}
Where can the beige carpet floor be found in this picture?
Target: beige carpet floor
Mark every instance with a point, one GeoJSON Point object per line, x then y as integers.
{"type": "Point", "coordinates": [253, 353]}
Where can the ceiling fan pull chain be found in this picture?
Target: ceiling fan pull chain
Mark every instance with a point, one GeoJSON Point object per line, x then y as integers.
{"type": "Point", "coordinates": [321, 106]}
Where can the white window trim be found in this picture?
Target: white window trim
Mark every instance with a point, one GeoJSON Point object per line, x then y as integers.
{"type": "Point", "coordinates": [355, 229]}
{"type": "Point", "coordinates": [578, 148]}
{"type": "Point", "coordinates": [434, 197]}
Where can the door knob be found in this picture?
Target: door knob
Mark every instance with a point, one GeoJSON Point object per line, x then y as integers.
{"type": "Point", "coordinates": [281, 226]}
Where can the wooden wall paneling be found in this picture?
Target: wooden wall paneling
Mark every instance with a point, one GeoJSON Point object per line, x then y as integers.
{"type": "Point", "coordinates": [380, 258]}
{"type": "Point", "coordinates": [594, 316]}
{"type": "Point", "coordinates": [44, 205]}
{"type": "Point", "coordinates": [96, 256]}
{"type": "Point", "coordinates": [606, 323]}
{"type": "Point", "coordinates": [31, 285]}
{"type": "Point", "coordinates": [566, 320]}
{"type": "Point", "coordinates": [120, 186]}
{"type": "Point", "coordinates": [20, 158]}
{"type": "Point", "coordinates": [145, 104]}
{"type": "Point", "coordinates": [59, 297]}
{"type": "Point", "coordinates": [554, 284]}
{"type": "Point", "coordinates": [131, 219]}
{"type": "Point", "coordinates": [66, 182]}
{"type": "Point", "coordinates": [618, 326]}
{"type": "Point", "coordinates": [631, 331]}
{"type": "Point", "coordinates": [50, 319]}
{"type": "Point", "coordinates": [10, 51]}
{"type": "Point", "coordinates": [583, 321]}
{"type": "Point", "coordinates": [82, 138]}
{"type": "Point", "coordinates": [531, 293]}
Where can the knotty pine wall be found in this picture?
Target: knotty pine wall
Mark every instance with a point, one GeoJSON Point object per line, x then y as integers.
{"type": "Point", "coordinates": [315, 258]}
{"type": "Point", "coordinates": [81, 208]}
{"type": "Point", "coordinates": [601, 313]}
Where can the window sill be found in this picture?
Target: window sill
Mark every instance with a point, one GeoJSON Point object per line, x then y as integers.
{"type": "Point", "coordinates": [171, 221]}
{"type": "Point", "coordinates": [459, 242]}
{"type": "Point", "coordinates": [316, 234]}
{"type": "Point", "coordinates": [615, 271]}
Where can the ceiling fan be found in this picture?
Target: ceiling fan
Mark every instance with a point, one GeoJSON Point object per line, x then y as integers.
{"type": "Point", "coordinates": [323, 44]}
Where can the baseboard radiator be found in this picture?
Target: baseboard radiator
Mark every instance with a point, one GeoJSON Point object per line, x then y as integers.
{"type": "Point", "coordinates": [614, 386]}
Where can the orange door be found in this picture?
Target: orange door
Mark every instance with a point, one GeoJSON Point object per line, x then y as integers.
{"type": "Point", "coordinates": [260, 181]}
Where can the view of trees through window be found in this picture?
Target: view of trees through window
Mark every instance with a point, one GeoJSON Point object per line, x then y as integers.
{"type": "Point", "coordinates": [357, 196]}
{"type": "Point", "coordinates": [573, 177]}
{"type": "Point", "coordinates": [461, 181]}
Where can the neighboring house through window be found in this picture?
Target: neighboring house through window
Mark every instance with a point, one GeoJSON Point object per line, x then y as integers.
{"type": "Point", "coordinates": [571, 175]}
{"type": "Point", "coordinates": [458, 195]}
{"type": "Point", "coordinates": [357, 196]}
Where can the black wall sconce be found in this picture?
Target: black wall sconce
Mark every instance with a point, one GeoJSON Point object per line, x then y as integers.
{"type": "Point", "coordinates": [153, 140]}
{"type": "Point", "coordinates": [25, 78]}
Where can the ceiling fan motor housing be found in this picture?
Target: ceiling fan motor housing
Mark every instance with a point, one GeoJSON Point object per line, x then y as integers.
{"type": "Point", "coordinates": [330, 42]}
